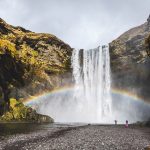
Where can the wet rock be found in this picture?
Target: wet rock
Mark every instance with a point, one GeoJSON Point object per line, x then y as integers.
{"type": "Point", "coordinates": [143, 123]}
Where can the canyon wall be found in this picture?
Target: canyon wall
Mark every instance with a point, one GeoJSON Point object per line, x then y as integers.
{"type": "Point", "coordinates": [30, 63]}
{"type": "Point", "coordinates": [130, 62]}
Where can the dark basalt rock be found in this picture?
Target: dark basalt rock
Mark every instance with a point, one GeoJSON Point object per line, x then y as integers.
{"type": "Point", "coordinates": [147, 42]}
{"type": "Point", "coordinates": [130, 62]}
{"type": "Point", "coordinates": [143, 124]}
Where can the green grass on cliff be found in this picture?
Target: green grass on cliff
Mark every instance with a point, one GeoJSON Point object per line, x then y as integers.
{"type": "Point", "coordinates": [17, 111]}
{"type": "Point", "coordinates": [20, 113]}
{"type": "Point", "coordinates": [25, 54]}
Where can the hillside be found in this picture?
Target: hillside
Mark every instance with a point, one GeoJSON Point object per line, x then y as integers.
{"type": "Point", "coordinates": [30, 63]}
{"type": "Point", "coordinates": [130, 62]}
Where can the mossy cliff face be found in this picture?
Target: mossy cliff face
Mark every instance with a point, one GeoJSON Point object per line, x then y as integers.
{"type": "Point", "coordinates": [21, 113]}
{"type": "Point", "coordinates": [130, 62]}
{"type": "Point", "coordinates": [30, 63]}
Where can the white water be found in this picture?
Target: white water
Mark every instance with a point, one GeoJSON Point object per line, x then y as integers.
{"type": "Point", "coordinates": [91, 72]}
{"type": "Point", "coordinates": [91, 100]}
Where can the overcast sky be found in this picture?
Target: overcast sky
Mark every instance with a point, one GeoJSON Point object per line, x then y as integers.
{"type": "Point", "coordinates": [80, 23]}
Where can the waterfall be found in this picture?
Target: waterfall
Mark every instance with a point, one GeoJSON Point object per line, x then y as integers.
{"type": "Point", "coordinates": [90, 100]}
{"type": "Point", "coordinates": [91, 72]}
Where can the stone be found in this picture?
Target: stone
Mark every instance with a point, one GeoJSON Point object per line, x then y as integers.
{"type": "Point", "coordinates": [147, 148]}
{"type": "Point", "coordinates": [20, 113]}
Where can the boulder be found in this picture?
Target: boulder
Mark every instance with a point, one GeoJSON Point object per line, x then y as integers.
{"type": "Point", "coordinates": [147, 148]}
{"type": "Point", "coordinates": [20, 113]}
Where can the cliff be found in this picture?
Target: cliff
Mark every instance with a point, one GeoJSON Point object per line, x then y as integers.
{"type": "Point", "coordinates": [130, 62]}
{"type": "Point", "coordinates": [30, 63]}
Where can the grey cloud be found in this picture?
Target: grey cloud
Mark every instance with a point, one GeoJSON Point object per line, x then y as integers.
{"type": "Point", "coordinates": [80, 23]}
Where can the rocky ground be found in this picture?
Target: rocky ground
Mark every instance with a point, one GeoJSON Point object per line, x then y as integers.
{"type": "Point", "coordinates": [90, 137]}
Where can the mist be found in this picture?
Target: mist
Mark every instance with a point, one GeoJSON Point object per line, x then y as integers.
{"type": "Point", "coordinates": [63, 108]}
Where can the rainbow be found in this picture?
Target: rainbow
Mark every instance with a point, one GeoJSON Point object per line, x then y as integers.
{"type": "Point", "coordinates": [47, 93]}
{"type": "Point", "coordinates": [126, 93]}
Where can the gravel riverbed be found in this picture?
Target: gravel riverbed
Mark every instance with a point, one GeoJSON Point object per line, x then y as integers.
{"type": "Point", "coordinates": [88, 137]}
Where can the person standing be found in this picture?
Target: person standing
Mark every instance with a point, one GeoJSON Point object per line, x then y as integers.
{"type": "Point", "coordinates": [127, 124]}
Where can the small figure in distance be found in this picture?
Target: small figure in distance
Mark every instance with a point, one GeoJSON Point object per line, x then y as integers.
{"type": "Point", "coordinates": [148, 20]}
{"type": "Point", "coordinates": [115, 122]}
{"type": "Point", "coordinates": [126, 124]}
